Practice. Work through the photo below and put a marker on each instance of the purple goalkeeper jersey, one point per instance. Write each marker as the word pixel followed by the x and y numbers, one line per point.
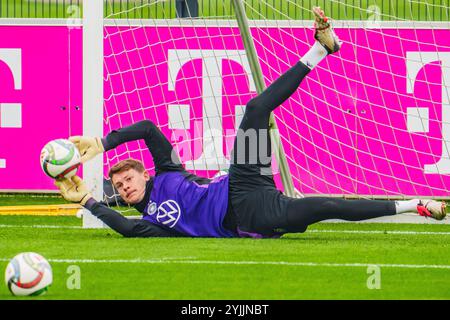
pixel 193 209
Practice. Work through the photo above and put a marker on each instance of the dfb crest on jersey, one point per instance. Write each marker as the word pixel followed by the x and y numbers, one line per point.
pixel 168 213
pixel 151 209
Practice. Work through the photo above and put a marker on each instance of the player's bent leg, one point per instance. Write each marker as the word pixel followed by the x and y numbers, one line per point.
pixel 304 212
pixel 255 123
pixel 281 89
pixel 326 43
pixel 252 145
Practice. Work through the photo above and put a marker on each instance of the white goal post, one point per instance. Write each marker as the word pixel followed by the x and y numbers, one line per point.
pixel 93 99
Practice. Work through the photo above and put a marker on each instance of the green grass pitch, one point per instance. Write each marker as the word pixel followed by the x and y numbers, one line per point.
pixel 329 261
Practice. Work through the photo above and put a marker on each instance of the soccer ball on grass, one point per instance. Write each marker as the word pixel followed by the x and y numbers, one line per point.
pixel 28 274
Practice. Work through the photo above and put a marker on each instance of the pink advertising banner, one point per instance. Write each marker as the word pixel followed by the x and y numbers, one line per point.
pixel 370 120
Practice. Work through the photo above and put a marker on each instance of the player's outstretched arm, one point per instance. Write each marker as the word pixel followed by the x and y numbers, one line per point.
pixel 74 190
pixel 161 149
pixel 89 147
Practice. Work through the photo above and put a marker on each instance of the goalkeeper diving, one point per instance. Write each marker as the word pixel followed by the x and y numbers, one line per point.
pixel 243 203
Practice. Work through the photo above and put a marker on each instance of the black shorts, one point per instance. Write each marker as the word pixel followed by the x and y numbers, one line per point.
pixel 258 206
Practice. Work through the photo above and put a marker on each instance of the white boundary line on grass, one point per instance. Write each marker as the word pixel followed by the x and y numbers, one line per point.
pixel 395 232
pixel 39 226
pixel 275 263
pixel 443 233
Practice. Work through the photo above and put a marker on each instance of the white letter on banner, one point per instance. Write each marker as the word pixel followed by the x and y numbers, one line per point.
pixel 414 62
pixel 13 59
pixel 212 157
pixel 11 113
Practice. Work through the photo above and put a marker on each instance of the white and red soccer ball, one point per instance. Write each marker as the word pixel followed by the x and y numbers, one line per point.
pixel 60 158
pixel 28 274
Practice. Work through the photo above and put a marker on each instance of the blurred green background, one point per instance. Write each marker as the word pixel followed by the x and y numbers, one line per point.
pixel 421 10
